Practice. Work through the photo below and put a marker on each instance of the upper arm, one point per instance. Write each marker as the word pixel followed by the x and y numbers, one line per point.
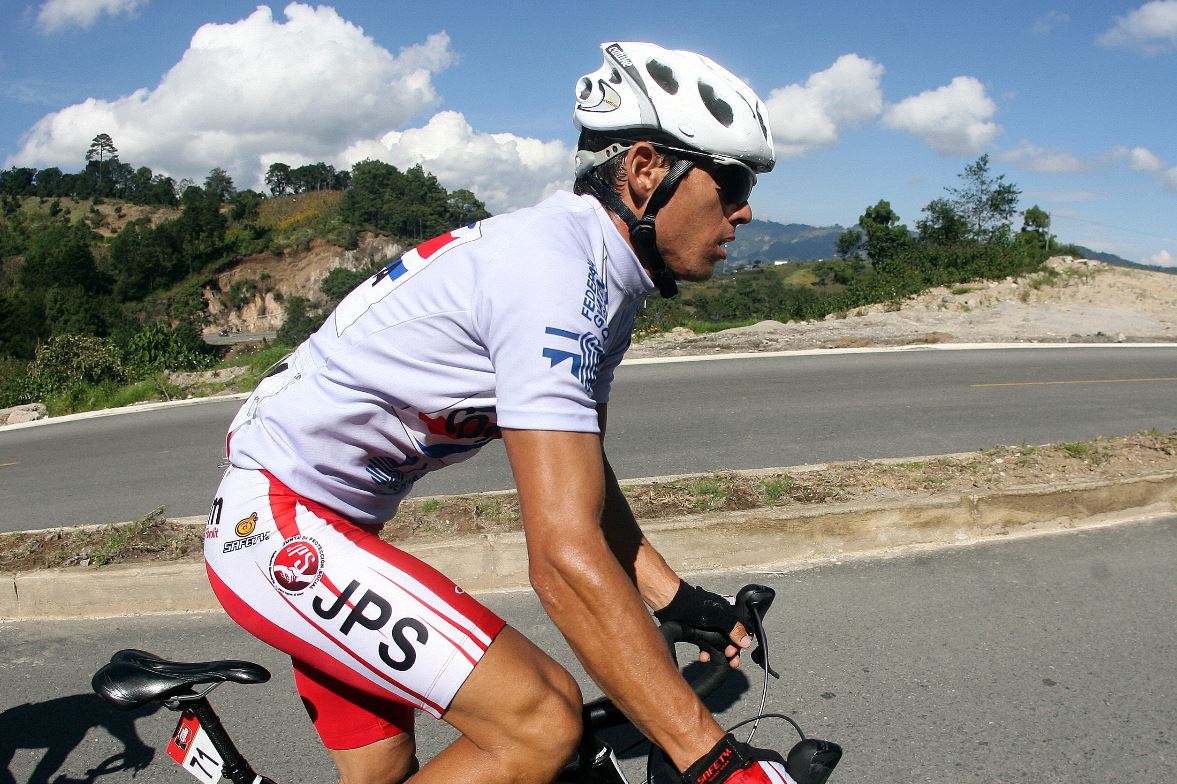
pixel 560 476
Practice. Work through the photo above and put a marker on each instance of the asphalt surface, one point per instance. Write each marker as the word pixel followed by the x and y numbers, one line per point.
pixel 1050 658
pixel 679 417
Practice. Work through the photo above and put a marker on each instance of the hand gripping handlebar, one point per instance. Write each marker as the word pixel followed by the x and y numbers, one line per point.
pixel 751 603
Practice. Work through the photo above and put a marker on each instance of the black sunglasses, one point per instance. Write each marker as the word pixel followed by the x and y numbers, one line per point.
pixel 735 182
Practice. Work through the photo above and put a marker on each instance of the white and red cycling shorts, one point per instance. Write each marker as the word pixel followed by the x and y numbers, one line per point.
pixel 373 631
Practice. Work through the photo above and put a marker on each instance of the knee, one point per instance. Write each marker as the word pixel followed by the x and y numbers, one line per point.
pixel 555 727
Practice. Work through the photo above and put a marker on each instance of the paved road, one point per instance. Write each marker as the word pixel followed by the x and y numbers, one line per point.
pixel 664 419
pixel 1047 659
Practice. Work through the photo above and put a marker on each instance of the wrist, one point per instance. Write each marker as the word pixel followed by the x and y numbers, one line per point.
pixel 661 597
pixel 718 764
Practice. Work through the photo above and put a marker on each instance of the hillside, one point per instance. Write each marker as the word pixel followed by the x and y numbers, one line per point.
pixel 267 280
pixel 1074 301
pixel 768 241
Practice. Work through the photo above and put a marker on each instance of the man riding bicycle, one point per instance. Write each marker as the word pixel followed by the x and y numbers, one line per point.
pixel 508 328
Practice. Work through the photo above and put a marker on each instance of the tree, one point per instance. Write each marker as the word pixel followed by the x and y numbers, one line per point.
pixel 1036 226
pixel 301 320
pixel 987 203
pixel 885 235
pixel 219 184
pixel 101 148
pixel 850 244
pixel 49 182
pixel 278 179
pixel 464 208
pixel 944 225
pixel 17 182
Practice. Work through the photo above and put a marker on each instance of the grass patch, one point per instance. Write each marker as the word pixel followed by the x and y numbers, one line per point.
pixel 1087 451
pixel 95 397
pixel 777 488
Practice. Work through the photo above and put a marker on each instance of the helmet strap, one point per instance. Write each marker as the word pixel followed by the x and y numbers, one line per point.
pixel 642 233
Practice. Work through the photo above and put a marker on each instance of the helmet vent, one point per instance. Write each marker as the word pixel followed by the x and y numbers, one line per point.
pixel 663 76
pixel 720 109
pixel 615 76
pixel 586 88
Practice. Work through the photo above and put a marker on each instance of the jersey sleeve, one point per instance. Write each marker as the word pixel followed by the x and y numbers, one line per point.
pixel 543 321
pixel 620 336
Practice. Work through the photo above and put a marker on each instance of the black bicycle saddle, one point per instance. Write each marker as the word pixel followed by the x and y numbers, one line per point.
pixel 134 678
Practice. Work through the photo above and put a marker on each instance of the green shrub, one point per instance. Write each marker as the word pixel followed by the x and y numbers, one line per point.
pixel 70 361
pixel 240 293
pixel 159 346
pixel 301 320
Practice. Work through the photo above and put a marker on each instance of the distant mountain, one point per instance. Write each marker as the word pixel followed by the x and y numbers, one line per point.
pixel 768 241
pixel 1111 258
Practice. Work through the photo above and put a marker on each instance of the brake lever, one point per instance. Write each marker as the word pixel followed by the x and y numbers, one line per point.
pixel 752 602
pixel 759 658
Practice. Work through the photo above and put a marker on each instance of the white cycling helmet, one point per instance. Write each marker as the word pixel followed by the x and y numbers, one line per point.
pixel 681 97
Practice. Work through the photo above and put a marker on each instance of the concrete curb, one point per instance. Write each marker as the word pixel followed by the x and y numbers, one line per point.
pixel 758 538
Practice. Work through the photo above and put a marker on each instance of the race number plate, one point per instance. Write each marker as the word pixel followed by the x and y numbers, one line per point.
pixel 191 748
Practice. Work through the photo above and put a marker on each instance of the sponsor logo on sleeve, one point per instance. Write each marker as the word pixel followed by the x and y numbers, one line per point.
pixel 582 352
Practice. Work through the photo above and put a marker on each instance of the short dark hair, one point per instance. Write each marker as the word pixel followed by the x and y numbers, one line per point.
pixel 612 171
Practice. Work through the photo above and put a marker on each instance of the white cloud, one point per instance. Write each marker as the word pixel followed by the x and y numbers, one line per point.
pixel 953 120
pixel 1169 180
pixel 811 115
pixel 1050 21
pixel 1150 29
pixel 1162 259
pixel 1041 159
pixel 505 171
pixel 248 92
pixel 1139 158
pixel 56 15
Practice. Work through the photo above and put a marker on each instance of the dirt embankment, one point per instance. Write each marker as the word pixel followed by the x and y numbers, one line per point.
pixel 272 278
pixel 1075 301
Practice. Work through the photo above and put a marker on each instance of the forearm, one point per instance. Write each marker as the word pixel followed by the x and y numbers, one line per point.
pixel 594 604
pixel 656 581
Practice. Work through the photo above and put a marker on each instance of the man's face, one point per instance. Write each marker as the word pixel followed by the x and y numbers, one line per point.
pixel 695 224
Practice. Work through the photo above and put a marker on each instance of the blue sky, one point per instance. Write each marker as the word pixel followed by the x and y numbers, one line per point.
pixel 1075 103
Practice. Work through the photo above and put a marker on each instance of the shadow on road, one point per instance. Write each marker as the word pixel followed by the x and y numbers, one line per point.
pixel 58 726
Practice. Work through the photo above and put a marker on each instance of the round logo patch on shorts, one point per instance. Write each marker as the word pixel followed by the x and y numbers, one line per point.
pixel 297 565
pixel 245 527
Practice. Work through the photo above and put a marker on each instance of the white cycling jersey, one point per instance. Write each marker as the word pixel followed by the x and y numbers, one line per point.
pixel 516 321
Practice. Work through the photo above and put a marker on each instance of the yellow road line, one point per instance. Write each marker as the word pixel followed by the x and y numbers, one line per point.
pixel 1082 381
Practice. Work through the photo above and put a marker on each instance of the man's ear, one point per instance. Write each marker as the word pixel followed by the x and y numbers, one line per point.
pixel 644 171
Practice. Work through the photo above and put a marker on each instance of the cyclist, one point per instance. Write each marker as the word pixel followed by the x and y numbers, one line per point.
pixel 508 328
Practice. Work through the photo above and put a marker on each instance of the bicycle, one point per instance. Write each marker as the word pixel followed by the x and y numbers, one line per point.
pixel 202 746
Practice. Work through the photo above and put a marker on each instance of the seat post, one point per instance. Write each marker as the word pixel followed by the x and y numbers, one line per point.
pixel 234 765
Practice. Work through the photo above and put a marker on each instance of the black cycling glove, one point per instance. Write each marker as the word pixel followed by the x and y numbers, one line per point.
pixel 699 609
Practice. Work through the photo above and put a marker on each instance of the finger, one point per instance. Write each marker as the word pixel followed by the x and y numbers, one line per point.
pixel 740 636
